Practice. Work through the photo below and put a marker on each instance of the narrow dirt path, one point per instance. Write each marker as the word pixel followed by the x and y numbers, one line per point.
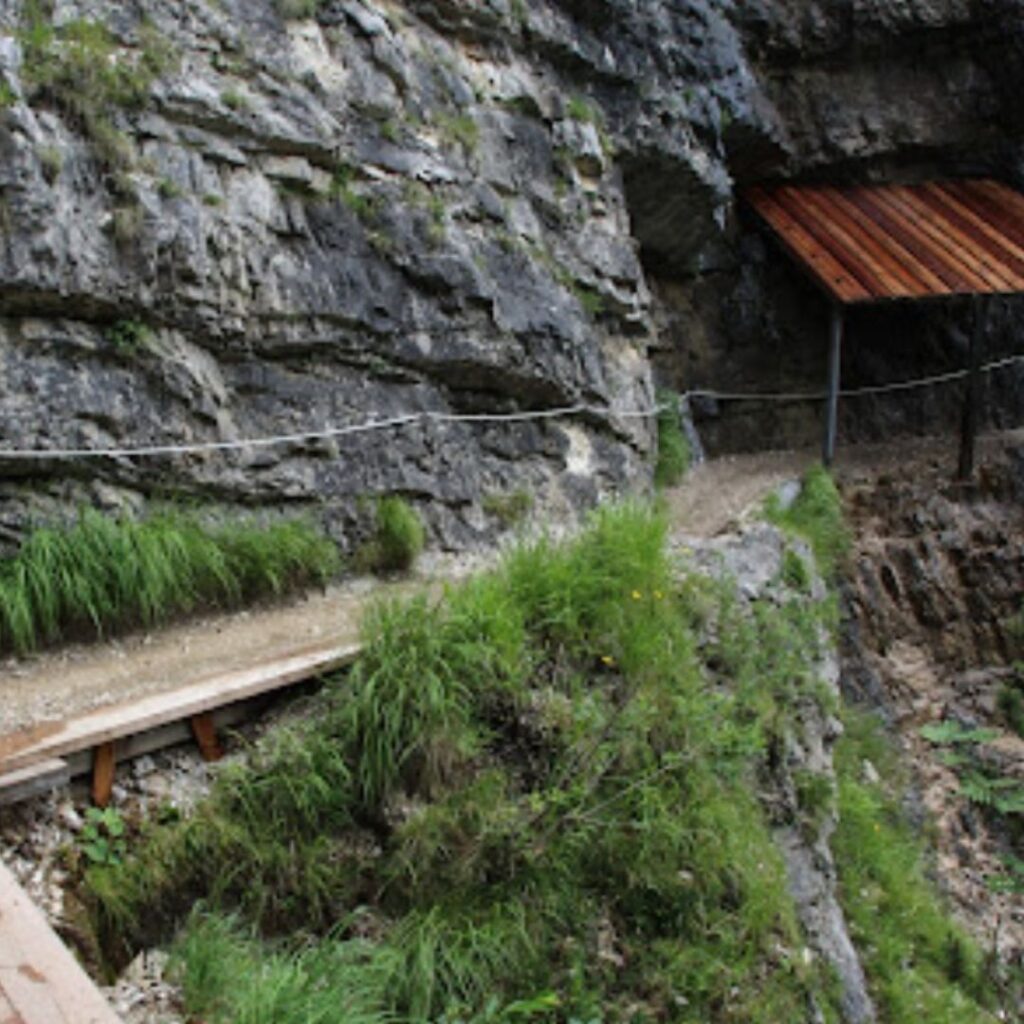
pixel 83 677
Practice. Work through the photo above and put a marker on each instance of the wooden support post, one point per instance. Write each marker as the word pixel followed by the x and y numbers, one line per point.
pixel 972 395
pixel 205 733
pixel 832 402
pixel 104 761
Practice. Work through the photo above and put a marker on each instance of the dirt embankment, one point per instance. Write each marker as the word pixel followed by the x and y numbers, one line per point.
pixel 935 587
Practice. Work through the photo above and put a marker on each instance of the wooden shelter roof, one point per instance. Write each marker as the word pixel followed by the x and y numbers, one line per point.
pixel 869 243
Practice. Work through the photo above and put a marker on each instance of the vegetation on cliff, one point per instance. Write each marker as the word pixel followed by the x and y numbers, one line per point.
pixel 537 798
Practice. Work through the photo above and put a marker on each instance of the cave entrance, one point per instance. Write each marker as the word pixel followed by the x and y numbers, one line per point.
pixel 890 243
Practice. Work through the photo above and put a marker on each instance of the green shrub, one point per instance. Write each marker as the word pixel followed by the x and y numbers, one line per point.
pixel 397 540
pixel 919 964
pixel 101 574
pixel 459 129
pixel 537 790
pixel 127 224
pixel 816 515
pixel 234 100
pixel 129 337
pixel 509 507
pixel 294 10
pixel 169 189
pixel 80 68
pixel 51 162
pixel 795 572
pixel 673 448
pixel 593 302
pixel 1011 706
pixel 579 109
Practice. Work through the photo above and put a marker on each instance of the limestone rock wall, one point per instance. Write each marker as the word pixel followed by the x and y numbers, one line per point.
pixel 447 206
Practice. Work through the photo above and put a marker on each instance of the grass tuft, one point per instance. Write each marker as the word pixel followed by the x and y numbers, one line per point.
pixel 816 515
pixel 397 540
pixel 80 68
pixel 673 448
pixel 536 791
pixel 101 574
pixel 920 965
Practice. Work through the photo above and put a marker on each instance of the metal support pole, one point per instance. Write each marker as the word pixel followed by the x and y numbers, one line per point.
pixel 832 403
pixel 972 394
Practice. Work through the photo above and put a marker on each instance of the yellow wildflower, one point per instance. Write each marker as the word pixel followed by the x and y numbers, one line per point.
pixel 637 595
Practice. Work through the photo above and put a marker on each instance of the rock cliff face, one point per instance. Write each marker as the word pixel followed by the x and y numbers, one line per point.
pixel 225 219
pixel 934 635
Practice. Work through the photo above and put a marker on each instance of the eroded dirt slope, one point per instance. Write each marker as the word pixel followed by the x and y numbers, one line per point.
pixel 934 592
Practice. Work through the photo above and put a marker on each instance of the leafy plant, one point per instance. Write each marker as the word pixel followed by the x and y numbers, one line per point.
pixel 459 129
pixel 79 68
pixel 129 337
pixel 102 839
pixel 952 733
pixel 102 573
pixel 542 783
pixel 673 448
pixel 508 507
pixel 398 537
pixel 898 921
pixel 816 515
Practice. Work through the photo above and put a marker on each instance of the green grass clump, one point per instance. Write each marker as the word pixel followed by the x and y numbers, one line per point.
pixel 296 10
pixel 397 540
pixel 817 516
pixel 673 448
pixel 80 68
pixel 1010 702
pixel 459 129
pixel 920 966
pixel 535 797
pixel 229 978
pixel 509 508
pixel 129 337
pixel 101 573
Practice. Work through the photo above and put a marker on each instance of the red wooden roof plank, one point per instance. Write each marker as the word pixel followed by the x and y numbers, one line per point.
pixel 960 245
pixel 1000 249
pixel 825 236
pixel 909 278
pixel 914 223
pixel 831 274
pixel 920 253
pixel 869 243
pixel 991 211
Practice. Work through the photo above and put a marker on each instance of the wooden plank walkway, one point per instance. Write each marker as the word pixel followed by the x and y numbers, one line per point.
pixel 40 980
pixel 43 746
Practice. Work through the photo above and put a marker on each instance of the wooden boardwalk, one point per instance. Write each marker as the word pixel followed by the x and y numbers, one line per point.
pixel 40 981
pixel 35 758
